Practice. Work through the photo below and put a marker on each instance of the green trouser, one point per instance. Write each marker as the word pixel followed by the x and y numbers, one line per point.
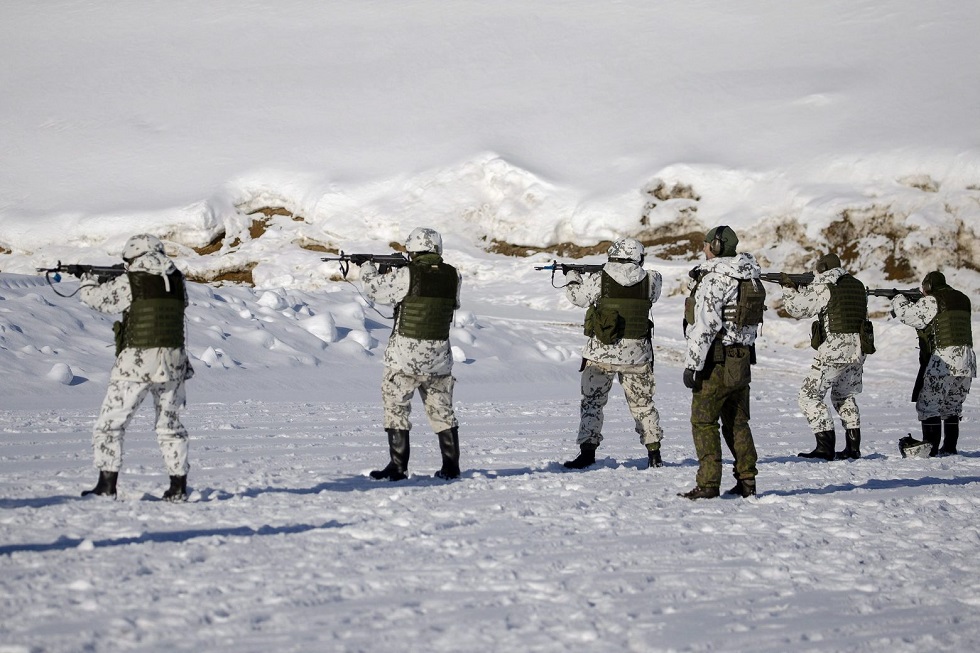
pixel 724 395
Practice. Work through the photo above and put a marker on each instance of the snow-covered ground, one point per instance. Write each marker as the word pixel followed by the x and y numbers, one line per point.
pixel 508 126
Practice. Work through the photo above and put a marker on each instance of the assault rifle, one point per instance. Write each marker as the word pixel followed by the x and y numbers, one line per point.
pixel 914 294
pixel 102 273
pixel 803 279
pixel 385 261
pixel 569 267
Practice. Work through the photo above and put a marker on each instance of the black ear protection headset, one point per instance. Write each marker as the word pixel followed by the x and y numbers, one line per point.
pixel 717 245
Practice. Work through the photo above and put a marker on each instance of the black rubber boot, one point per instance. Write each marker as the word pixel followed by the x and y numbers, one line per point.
pixel 852 445
pixel 449 447
pixel 654 459
pixel 585 458
pixel 177 492
pixel 951 433
pixel 399 449
pixel 105 486
pixel 825 446
pixel 932 432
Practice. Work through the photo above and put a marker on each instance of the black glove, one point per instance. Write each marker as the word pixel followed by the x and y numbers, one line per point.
pixel 75 270
pixel 691 380
pixel 695 272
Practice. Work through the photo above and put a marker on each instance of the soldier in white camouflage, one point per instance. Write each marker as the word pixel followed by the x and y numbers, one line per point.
pixel 425 294
pixel 151 359
pixel 943 318
pixel 619 299
pixel 721 321
pixel 839 303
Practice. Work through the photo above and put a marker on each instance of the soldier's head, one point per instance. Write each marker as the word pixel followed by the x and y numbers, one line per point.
pixel 720 241
pixel 423 240
pixel 933 281
pixel 139 245
pixel 827 262
pixel 626 250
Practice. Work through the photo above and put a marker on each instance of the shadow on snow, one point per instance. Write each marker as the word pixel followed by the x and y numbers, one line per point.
pixel 877 484
pixel 174 537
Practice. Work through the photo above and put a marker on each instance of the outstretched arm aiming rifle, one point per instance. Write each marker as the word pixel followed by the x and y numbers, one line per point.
pixel 383 261
pixel 569 267
pixel 102 273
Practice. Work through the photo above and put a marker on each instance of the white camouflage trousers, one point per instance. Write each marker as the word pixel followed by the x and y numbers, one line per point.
pixel 639 387
pixel 436 391
pixel 843 381
pixel 942 396
pixel 122 399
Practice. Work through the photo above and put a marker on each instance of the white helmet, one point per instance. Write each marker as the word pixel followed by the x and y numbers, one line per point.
pixel 141 244
pixel 423 239
pixel 626 249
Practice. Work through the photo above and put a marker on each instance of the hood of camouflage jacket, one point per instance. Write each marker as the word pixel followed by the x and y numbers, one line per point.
pixel 154 263
pixel 625 274
pixel 829 276
pixel 740 266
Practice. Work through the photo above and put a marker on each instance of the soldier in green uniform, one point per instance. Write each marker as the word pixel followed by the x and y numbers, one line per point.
pixel 721 319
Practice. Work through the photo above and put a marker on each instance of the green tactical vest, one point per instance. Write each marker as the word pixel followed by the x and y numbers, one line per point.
pixel 632 303
pixel 155 318
pixel 426 313
pixel 952 326
pixel 749 306
pixel 848 306
pixel 746 310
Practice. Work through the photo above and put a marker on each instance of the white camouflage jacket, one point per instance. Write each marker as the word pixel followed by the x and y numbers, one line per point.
pixel 718 288
pixel 951 361
pixel 150 365
pixel 585 291
pixel 407 355
pixel 810 301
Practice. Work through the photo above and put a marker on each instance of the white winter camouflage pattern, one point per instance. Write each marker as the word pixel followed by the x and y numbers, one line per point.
pixel 950 370
pixel 157 371
pixel 630 359
pixel 423 239
pixel 409 355
pixel 121 401
pixel 410 363
pixel 812 300
pixel 638 386
pixel 585 291
pixel 718 288
pixel 838 364
pixel 436 391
